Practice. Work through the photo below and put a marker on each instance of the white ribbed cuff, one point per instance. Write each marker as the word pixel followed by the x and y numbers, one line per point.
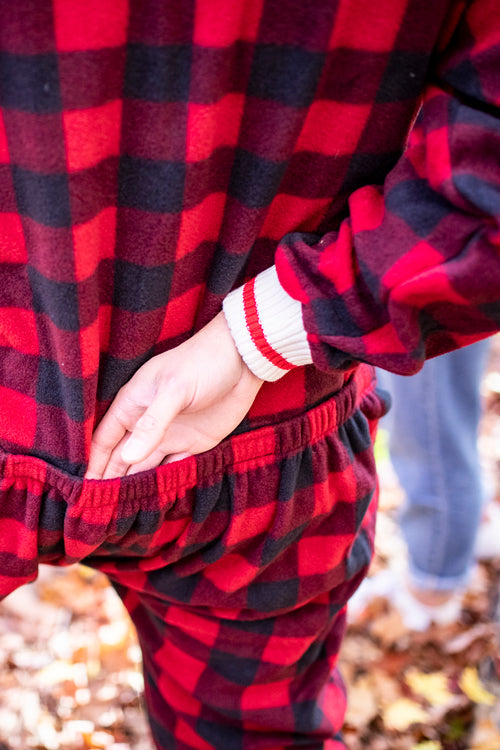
pixel 266 324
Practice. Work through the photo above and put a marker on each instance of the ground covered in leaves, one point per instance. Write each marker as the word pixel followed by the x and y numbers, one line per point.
pixel 437 690
pixel 70 666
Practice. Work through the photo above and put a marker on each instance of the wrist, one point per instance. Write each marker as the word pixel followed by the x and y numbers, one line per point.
pixel 221 341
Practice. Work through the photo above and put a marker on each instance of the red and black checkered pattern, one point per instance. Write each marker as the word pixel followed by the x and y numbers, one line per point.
pixel 235 565
pixel 413 270
pixel 155 155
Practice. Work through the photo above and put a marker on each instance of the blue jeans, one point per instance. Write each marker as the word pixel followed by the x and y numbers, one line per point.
pixel 433 428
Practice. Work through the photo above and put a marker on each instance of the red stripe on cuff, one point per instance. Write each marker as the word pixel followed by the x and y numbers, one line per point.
pixel 256 331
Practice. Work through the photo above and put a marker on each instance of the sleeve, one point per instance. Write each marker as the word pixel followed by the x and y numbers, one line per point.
pixel 414 269
pixel 266 325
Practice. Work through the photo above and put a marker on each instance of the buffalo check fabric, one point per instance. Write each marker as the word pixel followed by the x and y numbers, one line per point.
pixel 236 566
pixel 408 267
pixel 156 157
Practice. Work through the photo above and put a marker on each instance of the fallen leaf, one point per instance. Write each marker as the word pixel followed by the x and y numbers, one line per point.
pixel 394 663
pixel 403 713
pixel 388 628
pixel 486 736
pixel 101 740
pixel 361 703
pixel 432 686
pixel 431 745
pixel 114 635
pixel 360 650
pixel 464 640
pixel 58 671
pixel 387 689
pixel 473 688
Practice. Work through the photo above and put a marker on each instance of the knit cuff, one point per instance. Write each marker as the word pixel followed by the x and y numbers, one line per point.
pixel 266 324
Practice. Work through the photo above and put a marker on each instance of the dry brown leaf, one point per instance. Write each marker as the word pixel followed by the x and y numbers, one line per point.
pixel 486 736
pixel 360 650
pixel 388 628
pixel 386 688
pixel 394 663
pixel 462 641
pixel 361 704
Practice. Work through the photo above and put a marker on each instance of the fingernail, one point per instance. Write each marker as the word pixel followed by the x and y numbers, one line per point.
pixel 132 451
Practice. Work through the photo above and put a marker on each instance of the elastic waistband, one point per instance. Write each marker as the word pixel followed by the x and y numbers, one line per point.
pixel 237 454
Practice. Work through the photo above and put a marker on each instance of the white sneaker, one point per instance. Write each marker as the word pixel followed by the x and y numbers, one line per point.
pixel 391 585
pixel 487 545
pixel 419 616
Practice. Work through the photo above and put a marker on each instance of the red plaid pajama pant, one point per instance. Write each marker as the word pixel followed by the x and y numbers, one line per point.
pixel 235 565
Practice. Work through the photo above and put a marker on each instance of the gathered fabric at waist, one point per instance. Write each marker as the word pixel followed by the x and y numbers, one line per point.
pixel 49 516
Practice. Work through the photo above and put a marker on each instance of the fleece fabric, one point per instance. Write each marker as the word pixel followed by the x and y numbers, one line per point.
pixel 156 156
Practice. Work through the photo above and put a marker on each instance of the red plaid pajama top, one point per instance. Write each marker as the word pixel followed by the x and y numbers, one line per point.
pixel 155 156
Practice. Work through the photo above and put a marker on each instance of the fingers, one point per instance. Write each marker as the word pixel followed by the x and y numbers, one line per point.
pixel 109 433
pixel 131 432
pixel 158 458
pixel 115 466
pixel 149 431
pixel 147 421
pixel 113 431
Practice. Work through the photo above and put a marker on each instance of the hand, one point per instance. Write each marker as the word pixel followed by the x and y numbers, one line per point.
pixel 182 402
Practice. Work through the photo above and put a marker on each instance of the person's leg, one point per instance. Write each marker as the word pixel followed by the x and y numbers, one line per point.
pixel 433 428
pixel 235 564
pixel 225 682
pixel 241 614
